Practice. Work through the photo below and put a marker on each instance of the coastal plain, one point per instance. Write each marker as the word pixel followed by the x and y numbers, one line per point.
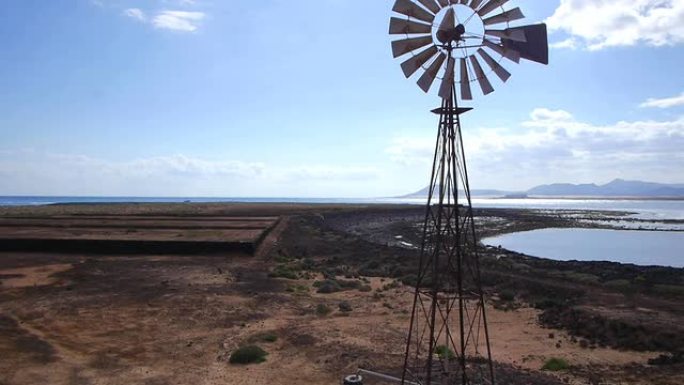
pixel 131 293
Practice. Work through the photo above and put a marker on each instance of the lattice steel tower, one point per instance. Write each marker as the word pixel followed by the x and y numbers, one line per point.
pixel 448 336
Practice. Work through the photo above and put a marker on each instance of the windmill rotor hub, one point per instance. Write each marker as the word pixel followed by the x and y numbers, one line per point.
pixel 451 35
pixel 460 29
pixel 457 26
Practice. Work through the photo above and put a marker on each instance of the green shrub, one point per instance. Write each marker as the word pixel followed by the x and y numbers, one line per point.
pixel 283 259
pixel 308 264
pixel 547 303
pixel 345 307
pixel 582 277
pixel 283 271
pixel 322 310
pixel 250 354
pixel 621 285
pixel 327 286
pixel 671 290
pixel 555 364
pixel 507 295
pixel 444 352
pixel 391 285
pixel 329 273
pixel 348 285
pixel 267 337
pixel 331 285
pixel 410 280
pixel 307 275
pixel 297 289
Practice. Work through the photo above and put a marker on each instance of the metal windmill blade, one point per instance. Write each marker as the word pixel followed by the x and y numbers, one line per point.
pixel 425 81
pixel 466 94
pixel 411 9
pixel 485 85
pixel 490 6
pixel 474 4
pixel 508 16
pixel 509 33
pixel 508 53
pixel 448 80
pixel 407 27
pixel 402 47
pixel 494 65
pixel 412 65
pixel 433 35
pixel 430 5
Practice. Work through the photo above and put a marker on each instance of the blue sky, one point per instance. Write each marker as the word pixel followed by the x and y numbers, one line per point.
pixel 302 98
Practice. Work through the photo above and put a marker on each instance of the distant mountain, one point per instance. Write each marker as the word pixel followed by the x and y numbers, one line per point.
pixel 422 193
pixel 616 188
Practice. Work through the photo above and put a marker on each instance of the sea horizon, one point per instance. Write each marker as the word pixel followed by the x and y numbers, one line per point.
pixel 645 208
pixel 199 199
pixel 33 200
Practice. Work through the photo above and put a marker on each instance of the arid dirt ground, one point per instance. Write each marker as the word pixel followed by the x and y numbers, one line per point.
pixel 85 318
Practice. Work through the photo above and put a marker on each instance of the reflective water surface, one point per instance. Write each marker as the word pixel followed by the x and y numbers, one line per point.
pixel 663 248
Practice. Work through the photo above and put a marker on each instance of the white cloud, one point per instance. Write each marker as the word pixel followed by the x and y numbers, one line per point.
pixel 553 146
pixel 411 150
pixel 543 116
pixel 31 172
pixel 607 23
pixel 166 166
pixel 561 125
pixel 326 173
pixel 184 21
pixel 664 102
pixel 135 13
pixel 184 165
pixel 569 43
pixel 34 172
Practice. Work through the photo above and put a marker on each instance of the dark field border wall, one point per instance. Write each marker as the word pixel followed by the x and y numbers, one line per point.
pixel 134 247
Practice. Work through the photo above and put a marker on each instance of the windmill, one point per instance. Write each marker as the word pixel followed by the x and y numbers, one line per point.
pixel 448 336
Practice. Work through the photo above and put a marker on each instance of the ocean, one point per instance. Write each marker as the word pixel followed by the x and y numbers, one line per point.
pixel 50 200
pixel 642 209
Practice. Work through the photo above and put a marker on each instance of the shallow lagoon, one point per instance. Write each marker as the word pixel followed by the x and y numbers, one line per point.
pixel 663 248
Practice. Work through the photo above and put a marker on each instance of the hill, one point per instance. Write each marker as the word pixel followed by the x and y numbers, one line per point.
pixel 614 189
pixel 422 193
